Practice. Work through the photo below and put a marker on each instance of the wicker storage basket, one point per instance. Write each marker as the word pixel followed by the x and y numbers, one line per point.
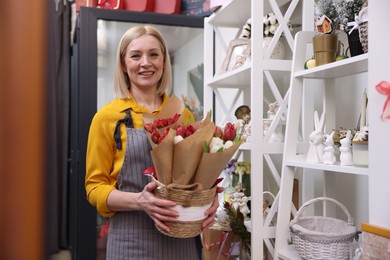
pixel 363 31
pixel 316 237
pixel 192 201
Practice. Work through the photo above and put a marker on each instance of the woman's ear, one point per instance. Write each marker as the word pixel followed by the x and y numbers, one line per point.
pixel 123 65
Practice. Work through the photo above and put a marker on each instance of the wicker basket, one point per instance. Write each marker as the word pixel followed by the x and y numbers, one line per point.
pixel 316 237
pixel 191 203
pixel 363 32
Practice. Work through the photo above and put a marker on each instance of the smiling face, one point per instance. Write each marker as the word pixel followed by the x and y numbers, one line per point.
pixel 144 63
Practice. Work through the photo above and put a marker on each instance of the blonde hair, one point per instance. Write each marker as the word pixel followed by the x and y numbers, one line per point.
pixel 122 80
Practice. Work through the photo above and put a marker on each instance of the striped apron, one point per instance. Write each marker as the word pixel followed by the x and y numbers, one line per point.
pixel 132 234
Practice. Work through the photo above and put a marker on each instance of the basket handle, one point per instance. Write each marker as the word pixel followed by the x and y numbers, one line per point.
pixel 270 194
pixel 312 201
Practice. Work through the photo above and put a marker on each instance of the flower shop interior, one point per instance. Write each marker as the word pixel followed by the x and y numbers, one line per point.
pixel 295 78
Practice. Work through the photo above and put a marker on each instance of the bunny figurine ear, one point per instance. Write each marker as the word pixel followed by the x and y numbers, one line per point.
pixel 319 123
pixel 316 120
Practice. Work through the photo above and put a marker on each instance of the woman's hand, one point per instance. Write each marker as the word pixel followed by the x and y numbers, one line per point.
pixel 211 212
pixel 157 209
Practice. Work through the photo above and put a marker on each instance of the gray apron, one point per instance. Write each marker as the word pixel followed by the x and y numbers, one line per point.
pixel 132 234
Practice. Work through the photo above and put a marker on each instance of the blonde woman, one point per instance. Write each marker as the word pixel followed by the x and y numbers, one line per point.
pixel 118 152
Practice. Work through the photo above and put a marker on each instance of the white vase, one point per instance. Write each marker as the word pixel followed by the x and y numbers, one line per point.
pixel 278 52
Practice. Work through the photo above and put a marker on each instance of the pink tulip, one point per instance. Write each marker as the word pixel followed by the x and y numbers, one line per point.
pixel 218 132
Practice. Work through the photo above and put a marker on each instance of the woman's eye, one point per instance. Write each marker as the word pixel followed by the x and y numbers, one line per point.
pixel 154 54
pixel 135 56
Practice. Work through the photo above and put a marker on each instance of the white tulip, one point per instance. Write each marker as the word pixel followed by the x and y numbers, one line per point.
pixel 177 139
pixel 228 144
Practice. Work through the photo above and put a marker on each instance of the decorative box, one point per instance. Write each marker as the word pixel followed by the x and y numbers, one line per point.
pixel 139 5
pixel 196 7
pixel 167 6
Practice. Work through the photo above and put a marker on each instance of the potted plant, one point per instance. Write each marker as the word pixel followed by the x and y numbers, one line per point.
pixel 326 23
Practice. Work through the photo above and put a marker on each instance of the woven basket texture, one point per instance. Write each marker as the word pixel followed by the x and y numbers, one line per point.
pixel 363 32
pixel 317 237
pixel 185 198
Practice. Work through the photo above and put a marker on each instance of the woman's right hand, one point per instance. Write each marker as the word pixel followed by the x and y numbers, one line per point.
pixel 156 208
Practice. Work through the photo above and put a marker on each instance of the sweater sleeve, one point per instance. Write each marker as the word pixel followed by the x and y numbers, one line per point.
pixel 99 163
pixel 188 117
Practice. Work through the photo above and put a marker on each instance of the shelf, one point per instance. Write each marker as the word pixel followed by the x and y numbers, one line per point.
pixel 299 161
pixel 269 148
pixel 234 78
pixel 289 253
pixel 235 13
pixel 337 69
pixel 232 14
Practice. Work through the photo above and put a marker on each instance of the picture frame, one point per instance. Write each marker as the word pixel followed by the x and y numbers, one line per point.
pixel 237 54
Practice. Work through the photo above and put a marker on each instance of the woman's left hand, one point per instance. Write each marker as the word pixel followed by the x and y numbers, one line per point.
pixel 211 212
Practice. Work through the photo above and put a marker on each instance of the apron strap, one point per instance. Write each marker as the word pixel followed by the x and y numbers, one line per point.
pixel 117 133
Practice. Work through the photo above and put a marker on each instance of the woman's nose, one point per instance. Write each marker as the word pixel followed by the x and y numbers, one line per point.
pixel 145 62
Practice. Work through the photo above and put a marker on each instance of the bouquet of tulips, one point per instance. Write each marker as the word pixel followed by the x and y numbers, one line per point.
pixel 185 154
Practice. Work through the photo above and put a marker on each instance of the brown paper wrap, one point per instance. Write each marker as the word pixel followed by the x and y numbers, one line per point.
pixel 212 164
pixel 188 153
pixel 185 163
pixel 162 154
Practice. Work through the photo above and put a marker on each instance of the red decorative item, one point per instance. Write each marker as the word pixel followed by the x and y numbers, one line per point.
pixel 383 87
pixel 167 6
pixel 139 5
pixel 110 4
pixel 87 3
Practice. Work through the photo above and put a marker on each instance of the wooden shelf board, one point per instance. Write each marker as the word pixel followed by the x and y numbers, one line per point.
pixel 337 69
pixel 299 161
pixel 289 253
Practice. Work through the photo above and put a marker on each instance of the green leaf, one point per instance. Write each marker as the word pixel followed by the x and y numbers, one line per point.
pixel 205 147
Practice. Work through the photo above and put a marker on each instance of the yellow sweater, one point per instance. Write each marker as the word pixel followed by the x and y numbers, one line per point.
pixel 103 160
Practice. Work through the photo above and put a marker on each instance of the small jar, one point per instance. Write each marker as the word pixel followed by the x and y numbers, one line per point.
pixel 360 153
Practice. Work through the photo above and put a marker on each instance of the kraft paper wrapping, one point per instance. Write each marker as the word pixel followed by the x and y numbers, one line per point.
pixel 185 163
pixel 212 164
pixel 162 156
pixel 188 153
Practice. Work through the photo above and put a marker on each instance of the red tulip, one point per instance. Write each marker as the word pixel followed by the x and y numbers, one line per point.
pixel 149 127
pixel 181 130
pixel 229 133
pixel 218 132
pixel 155 136
pixel 190 130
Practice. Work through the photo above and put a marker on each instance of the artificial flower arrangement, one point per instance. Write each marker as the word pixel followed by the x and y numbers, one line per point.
pixel 240 175
pixel 236 222
pixel 188 159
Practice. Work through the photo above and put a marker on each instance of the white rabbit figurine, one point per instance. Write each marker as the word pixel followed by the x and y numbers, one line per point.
pixel 243 206
pixel 316 139
pixel 345 150
pixel 329 156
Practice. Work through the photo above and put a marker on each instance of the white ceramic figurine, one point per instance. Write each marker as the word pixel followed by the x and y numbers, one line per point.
pixel 316 139
pixel 329 156
pixel 345 150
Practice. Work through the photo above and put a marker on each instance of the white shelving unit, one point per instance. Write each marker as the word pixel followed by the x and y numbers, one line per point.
pixel 294 159
pixel 249 81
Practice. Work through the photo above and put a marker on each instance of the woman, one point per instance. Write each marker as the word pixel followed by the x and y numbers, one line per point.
pixel 118 152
